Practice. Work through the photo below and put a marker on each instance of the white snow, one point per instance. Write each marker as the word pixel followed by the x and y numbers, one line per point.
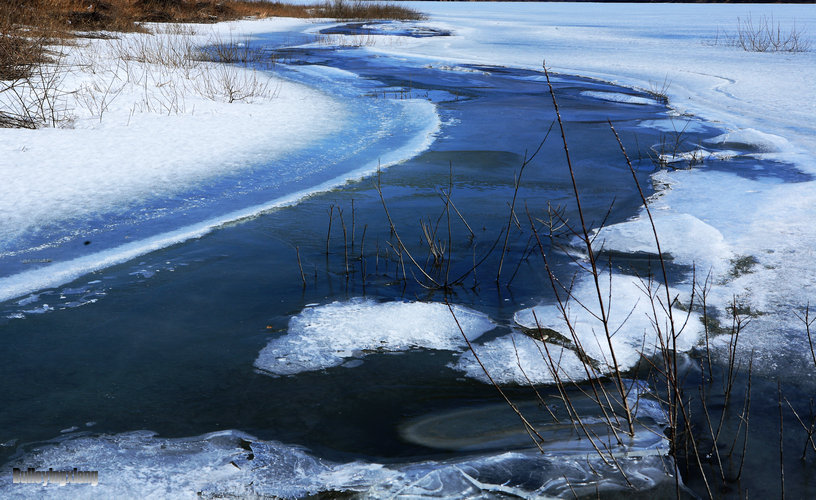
pixel 752 139
pixel 326 336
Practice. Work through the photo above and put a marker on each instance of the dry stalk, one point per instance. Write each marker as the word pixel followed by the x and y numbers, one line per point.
pixel 516 186
pixel 594 268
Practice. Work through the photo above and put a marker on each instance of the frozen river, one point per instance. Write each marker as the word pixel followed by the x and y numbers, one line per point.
pixel 267 327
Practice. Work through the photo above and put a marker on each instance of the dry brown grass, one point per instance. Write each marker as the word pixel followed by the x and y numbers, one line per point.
pixel 25 27
pixel 123 15
pixel 359 9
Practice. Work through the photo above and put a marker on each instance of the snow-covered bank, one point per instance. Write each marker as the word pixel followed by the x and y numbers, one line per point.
pixel 139 118
pixel 146 134
pixel 132 129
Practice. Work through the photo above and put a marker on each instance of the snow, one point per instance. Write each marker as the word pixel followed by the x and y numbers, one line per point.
pixel 754 139
pixel 326 336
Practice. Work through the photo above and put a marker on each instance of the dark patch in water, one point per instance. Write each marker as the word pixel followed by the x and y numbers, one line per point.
pixel 385 28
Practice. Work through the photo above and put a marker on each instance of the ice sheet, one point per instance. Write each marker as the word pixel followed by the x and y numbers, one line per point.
pixel 235 464
pixel 618 97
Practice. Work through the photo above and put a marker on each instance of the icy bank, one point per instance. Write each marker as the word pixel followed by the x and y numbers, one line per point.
pixel 154 146
pixel 136 130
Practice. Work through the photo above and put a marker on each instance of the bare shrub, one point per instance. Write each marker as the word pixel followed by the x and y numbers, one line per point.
pixel 230 51
pixel 98 95
pixel 232 84
pixel 37 98
pixel 764 35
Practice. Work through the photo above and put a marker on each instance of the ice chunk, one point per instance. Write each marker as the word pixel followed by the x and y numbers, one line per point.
pixel 326 336
pixel 751 139
pixel 694 157
pixel 633 321
pixel 685 237
pixel 520 359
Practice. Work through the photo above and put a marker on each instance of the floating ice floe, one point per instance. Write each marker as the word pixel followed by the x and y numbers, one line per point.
pixel 675 125
pixel 519 359
pixel 693 157
pixel 684 237
pixel 633 321
pixel 232 464
pixel 326 336
pixel 457 69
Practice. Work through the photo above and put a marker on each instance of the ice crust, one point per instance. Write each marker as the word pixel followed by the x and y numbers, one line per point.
pixel 751 139
pixel 519 359
pixel 618 97
pixel 231 463
pixel 633 324
pixel 326 336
